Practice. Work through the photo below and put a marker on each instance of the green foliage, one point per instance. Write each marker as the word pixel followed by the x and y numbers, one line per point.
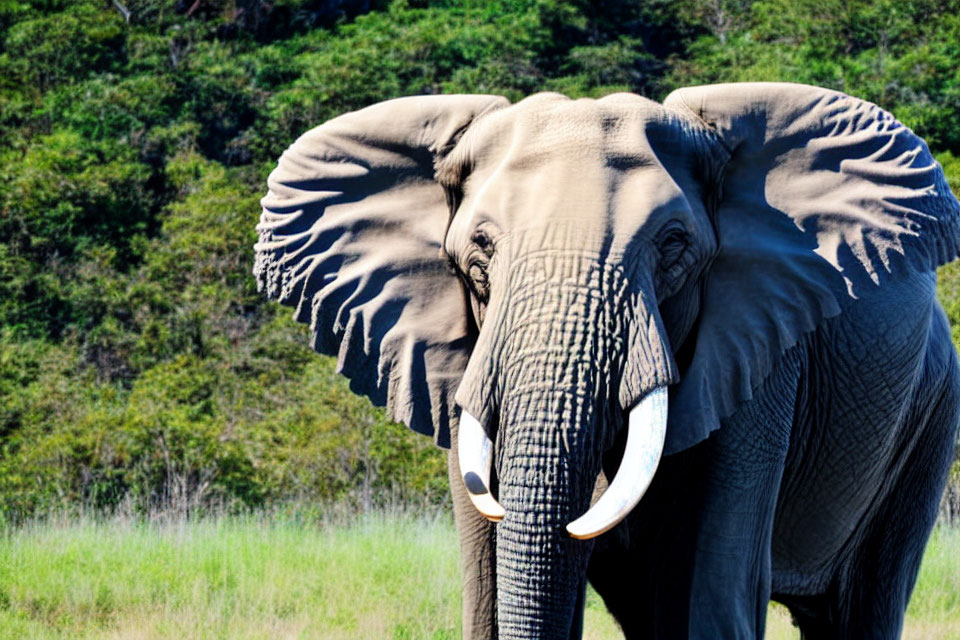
pixel 63 197
pixel 948 276
pixel 54 48
pixel 900 55
pixel 111 107
pixel 66 193
pixel 191 432
pixel 951 168
pixel 137 362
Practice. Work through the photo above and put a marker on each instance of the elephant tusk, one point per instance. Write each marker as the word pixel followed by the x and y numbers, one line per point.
pixel 647 429
pixel 475 454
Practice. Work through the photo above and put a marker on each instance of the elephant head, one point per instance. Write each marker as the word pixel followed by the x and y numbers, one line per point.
pixel 541 273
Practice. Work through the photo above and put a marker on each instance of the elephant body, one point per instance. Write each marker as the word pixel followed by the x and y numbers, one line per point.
pixel 722 307
pixel 786 501
pixel 807 495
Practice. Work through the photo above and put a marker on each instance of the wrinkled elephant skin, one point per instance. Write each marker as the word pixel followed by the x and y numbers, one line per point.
pixel 750 268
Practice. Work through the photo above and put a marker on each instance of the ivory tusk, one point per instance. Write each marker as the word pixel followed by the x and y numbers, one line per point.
pixel 475 454
pixel 647 428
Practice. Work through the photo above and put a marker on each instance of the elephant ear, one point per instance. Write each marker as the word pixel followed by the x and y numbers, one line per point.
pixel 351 235
pixel 824 199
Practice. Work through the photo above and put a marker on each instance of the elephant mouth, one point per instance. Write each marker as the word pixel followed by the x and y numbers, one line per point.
pixel 647 426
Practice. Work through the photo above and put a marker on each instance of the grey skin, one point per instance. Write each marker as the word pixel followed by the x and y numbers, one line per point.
pixel 765 251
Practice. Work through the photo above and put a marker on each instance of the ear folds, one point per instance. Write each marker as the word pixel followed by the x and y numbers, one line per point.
pixel 350 236
pixel 824 198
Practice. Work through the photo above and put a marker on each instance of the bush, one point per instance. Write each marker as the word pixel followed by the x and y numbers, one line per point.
pixel 43 51
pixel 137 362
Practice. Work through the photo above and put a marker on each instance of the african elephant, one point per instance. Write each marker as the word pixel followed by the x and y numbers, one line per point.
pixel 726 300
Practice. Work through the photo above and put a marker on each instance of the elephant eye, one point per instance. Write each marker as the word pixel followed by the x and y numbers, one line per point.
pixel 676 259
pixel 477 273
pixel 673 242
pixel 483 242
pixel 477 261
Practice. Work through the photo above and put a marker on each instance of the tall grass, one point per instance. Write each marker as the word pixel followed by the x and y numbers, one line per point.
pixel 384 575
pixel 242 577
pixel 934 610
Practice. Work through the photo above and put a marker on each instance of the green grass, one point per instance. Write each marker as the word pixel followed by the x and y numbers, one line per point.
pixel 384 576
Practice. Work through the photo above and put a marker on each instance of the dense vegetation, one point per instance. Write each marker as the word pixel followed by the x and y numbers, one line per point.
pixel 138 364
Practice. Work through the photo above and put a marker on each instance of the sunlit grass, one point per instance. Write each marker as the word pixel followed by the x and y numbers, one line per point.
pixel 934 611
pixel 382 576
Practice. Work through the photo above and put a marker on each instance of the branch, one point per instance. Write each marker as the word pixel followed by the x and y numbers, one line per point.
pixel 122 9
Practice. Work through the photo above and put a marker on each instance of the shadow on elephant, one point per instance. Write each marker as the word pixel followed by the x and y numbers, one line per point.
pixel 723 303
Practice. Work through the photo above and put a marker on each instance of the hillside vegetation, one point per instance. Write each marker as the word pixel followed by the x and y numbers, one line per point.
pixel 139 366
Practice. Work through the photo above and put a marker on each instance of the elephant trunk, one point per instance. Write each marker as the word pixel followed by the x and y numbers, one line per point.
pixel 540 568
pixel 561 370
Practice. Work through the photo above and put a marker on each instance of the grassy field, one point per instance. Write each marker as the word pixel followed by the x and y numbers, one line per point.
pixel 393 577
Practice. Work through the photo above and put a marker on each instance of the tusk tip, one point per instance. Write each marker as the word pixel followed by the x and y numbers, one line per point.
pixel 488 507
pixel 646 432
pixel 584 531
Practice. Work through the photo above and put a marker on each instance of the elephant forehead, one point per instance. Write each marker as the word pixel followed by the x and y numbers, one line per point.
pixel 548 130
pixel 600 162
pixel 564 172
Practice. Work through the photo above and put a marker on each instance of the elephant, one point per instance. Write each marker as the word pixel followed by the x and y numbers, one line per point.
pixel 689 351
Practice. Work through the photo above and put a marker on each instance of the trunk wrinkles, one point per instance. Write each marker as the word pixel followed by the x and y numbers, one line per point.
pixel 569 341
pixel 562 345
